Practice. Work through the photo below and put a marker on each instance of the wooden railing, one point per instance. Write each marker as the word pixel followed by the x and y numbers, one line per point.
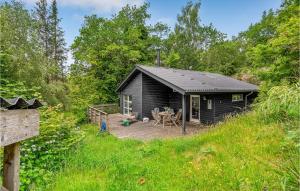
pixel 108 108
pixel 98 113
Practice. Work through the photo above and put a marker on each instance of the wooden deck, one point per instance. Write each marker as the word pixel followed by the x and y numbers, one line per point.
pixel 147 131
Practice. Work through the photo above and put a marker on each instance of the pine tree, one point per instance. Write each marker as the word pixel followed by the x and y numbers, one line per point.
pixel 41 18
pixel 51 38
pixel 57 41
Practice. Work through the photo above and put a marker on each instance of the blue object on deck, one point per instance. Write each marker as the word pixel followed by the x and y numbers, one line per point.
pixel 103 126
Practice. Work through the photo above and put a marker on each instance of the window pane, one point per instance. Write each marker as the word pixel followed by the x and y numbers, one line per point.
pixel 209 104
pixel 127 104
pixel 237 97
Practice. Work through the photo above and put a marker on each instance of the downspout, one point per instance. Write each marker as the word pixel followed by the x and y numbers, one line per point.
pixel 183 114
pixel 246 99
pixel 214 111
pixel 142 114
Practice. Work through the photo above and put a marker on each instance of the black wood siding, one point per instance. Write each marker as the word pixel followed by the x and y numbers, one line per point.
pixel 176 103
pixel 224 106
pixel 175 100
pixel 148 93
pixel 155 94
pixel 206 115
pixel 134 89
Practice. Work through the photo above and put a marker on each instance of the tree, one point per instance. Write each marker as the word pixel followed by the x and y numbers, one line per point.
pixel 278 59
pixel 56 40
pixel 108 49
pixel 261 32
pixel 42 22
pixel 51 38
pixel 225 57
pixel 158 38
pixel 20 57
pixel 190 38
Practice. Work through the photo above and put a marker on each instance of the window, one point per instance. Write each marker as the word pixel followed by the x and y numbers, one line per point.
pixel 209 104
pixel 237 97
pixel 127 104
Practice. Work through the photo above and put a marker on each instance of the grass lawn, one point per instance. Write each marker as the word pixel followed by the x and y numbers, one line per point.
pixel 234 156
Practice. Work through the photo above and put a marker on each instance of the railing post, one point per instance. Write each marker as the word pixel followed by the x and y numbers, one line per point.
pixel 94 116
pixel 107 123
pixel 89 114
pixel 99 122
pixel 99 110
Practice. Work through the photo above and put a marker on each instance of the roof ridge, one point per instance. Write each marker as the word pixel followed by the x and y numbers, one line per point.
pixel 178 69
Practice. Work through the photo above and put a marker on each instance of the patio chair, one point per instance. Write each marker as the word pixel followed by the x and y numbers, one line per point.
pixel 156 117
pixel 176 119
pixel 171 111
pixel 156 110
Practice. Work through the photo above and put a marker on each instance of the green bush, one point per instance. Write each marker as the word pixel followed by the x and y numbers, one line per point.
pixel 280 104
pixel 45 154
pixel 10 89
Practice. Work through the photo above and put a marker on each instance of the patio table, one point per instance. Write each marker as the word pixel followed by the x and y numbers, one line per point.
pixel 163 115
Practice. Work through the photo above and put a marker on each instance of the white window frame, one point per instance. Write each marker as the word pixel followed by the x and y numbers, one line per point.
pixel 127 110
pixel 209 104
pixel 191 117
pixel 237 97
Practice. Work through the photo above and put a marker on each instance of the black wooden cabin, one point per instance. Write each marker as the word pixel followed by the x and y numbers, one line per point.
pixel 204 97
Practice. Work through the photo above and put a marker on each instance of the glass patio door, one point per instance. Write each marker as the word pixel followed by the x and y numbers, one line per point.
pixel 127 104
pixel 195 108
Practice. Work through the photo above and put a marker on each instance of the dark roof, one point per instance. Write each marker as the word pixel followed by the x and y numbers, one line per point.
pixel 185 81
pixel 19 103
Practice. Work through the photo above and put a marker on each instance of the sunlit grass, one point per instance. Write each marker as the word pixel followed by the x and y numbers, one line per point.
pixel 231 157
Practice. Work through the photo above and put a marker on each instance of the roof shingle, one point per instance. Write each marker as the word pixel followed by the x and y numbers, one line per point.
pixel 195 81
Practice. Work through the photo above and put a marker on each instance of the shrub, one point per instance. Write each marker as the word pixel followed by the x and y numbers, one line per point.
pixel 46 153
pixel 11 89
pixel 280 104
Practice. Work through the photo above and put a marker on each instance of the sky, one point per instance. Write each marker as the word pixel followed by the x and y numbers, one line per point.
pixel 228 16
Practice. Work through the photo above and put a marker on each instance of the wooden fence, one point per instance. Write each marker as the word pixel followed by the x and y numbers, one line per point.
pixel 99 113
pixel 108 108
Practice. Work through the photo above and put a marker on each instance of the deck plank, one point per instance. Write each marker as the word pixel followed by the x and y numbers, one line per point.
pixel 147 131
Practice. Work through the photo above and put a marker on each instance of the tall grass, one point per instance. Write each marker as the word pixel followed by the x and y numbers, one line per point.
pixel 281 105
pixel 255 151
pixel 227 158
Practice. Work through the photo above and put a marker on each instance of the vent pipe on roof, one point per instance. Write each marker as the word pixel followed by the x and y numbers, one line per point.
pixel 158 56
